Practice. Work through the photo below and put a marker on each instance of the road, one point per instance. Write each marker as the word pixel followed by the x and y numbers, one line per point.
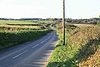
pixel 30 54
pixel 81 25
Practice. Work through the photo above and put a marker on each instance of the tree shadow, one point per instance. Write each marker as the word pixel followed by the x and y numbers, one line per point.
pixel 89 49
pixel 83 53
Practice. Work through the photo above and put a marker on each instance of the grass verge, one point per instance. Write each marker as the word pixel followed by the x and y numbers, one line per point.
pixel 82 46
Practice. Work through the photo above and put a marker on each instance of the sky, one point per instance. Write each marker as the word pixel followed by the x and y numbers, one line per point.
pixel 76 9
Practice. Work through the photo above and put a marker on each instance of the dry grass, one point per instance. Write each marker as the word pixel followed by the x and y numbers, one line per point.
pixel 18 26
pixel 92 61
pixel 88 40
pixel 81 36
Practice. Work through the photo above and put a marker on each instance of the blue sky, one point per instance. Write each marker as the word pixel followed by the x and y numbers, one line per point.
pixel 49 8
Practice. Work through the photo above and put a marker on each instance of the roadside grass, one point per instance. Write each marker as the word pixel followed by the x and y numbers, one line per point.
pixel 81 45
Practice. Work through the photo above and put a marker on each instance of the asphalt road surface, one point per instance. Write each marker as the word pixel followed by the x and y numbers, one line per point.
pixel 30 54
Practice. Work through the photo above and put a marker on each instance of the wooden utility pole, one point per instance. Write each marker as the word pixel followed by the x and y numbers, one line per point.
pixel 63 22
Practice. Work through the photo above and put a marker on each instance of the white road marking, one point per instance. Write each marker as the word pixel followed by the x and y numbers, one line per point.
pixel 11 54
pixel 41 42
pixel 18 55
pixel 35 46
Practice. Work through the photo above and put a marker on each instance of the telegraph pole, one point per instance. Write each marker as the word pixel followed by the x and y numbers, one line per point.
pixel 63 22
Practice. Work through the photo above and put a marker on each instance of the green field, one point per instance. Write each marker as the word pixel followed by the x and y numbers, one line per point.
pixel 23 21
pixel 15 22
pixel 81 50
pixel 98 24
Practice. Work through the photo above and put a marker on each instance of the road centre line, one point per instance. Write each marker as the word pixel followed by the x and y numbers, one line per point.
pixel 42 42
pixel 35 45
pixel 11 53
pixel 19 55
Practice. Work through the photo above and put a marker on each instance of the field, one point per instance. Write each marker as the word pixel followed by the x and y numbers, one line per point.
pixel 82 47
pixel 23 21
pixel 98 24
pixel 11 35
pixel 12 27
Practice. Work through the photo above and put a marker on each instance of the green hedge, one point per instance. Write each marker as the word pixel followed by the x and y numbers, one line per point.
pixel 11 38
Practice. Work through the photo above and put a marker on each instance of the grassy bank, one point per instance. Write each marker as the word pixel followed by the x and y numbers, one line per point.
pixel 82 46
